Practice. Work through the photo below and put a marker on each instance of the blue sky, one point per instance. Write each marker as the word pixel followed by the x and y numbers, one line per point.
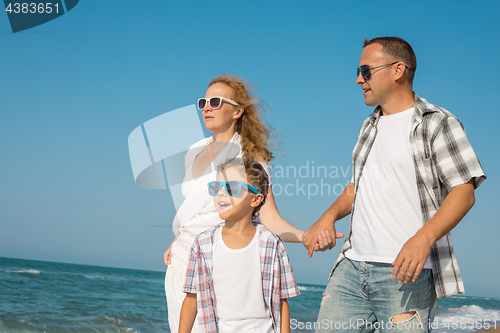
pixel 73 89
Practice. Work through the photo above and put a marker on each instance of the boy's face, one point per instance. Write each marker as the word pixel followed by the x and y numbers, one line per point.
pixel 234 208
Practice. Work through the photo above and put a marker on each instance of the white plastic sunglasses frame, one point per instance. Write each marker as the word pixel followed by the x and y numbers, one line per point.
pixel 207 100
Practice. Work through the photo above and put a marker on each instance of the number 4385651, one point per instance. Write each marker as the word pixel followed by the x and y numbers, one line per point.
pixel 32 8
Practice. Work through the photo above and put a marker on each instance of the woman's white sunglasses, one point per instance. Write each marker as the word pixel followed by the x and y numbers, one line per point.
pixel 214 102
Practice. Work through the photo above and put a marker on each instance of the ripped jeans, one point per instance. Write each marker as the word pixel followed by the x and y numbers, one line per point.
pixel 363 296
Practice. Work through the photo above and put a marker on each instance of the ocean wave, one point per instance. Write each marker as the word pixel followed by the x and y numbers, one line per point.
pixel 467 316
pixel 99 277
pixel 313 289
pixel 123 279
pixel 26 271
pixel 109 320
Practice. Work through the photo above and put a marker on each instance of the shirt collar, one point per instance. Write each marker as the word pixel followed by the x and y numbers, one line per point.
pixel 420 105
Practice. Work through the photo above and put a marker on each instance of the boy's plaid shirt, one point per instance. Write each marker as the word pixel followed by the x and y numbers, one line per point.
pixel 443 158
pixel 277 276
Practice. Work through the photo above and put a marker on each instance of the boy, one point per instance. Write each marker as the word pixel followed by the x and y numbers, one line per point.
pixel 239 275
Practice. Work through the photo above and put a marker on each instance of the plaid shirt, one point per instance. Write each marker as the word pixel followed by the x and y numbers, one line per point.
pixel 443 158
pixel 277 276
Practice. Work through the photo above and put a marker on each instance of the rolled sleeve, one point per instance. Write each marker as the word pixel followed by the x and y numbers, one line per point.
pixel 191 280
pixel 288 285
pixel 455 158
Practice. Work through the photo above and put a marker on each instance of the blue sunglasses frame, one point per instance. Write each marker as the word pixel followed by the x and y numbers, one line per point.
pixel 224 184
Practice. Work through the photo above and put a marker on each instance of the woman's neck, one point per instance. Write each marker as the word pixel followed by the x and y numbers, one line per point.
pixel 225 136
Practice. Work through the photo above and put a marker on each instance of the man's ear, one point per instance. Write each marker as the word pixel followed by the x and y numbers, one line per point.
pixel 257 199
pixel 400 70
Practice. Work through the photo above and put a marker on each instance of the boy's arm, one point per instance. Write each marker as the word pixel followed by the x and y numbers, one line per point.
pixel 285 316
pixel 188 313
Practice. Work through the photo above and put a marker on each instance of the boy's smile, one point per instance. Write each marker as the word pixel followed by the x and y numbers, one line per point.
pixel 223 205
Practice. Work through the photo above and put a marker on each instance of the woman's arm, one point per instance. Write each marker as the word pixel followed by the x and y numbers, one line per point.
pixel 188 313
pixel 271 219
pixel 285 316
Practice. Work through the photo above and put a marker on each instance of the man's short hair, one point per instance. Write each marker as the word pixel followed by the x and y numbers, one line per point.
pixel 397 49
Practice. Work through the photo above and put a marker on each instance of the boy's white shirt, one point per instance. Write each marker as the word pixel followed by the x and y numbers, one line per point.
pixel 237 282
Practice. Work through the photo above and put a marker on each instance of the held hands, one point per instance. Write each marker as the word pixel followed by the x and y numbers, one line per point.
pixel 318 236
pixel 411 259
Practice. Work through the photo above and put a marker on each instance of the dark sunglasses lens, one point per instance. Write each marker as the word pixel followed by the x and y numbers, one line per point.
pixel 201 103
pixel 365 72
pixel 213 188
pixel 215 102
pixel 232 188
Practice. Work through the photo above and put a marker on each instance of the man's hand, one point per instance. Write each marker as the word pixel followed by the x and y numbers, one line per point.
pixel 415 252
pixel 318 236
pixel 411 259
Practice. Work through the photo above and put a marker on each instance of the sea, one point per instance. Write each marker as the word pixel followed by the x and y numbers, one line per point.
pixel 40 296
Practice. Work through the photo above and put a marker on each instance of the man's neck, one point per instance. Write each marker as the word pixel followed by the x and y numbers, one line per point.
pixel 398 103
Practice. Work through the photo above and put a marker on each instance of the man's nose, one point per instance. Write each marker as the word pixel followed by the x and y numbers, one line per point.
pixel 360 79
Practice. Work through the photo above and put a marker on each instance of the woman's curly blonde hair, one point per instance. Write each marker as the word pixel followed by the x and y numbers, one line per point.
pixel 256 136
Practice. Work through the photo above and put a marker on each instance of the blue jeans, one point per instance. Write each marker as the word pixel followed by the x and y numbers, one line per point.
pixel 363 296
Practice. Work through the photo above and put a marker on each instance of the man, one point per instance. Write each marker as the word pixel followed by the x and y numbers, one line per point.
pixel 414 175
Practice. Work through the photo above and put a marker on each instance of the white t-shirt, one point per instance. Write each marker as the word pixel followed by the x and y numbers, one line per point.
pixel 237 283
pixel 387 210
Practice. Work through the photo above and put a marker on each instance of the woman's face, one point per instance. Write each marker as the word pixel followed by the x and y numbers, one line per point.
pixel 223 119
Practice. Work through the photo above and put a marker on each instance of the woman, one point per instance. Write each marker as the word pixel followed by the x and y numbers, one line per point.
pixel 231 114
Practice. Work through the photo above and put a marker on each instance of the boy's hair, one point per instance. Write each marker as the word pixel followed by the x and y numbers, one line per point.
pixel 255 174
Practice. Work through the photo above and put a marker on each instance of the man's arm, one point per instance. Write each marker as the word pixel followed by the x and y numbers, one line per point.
pixel 285 316
pixel 415 252
pixel 338 210
pixel 188 313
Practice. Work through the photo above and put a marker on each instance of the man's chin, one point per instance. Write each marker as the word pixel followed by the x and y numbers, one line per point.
pixel 370 103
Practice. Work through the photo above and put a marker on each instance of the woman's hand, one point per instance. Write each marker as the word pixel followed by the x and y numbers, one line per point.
pixel 167 256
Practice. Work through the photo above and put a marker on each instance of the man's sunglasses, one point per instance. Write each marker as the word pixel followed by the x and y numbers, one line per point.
pixel 214 102
pixel 366 73
pixel 232 187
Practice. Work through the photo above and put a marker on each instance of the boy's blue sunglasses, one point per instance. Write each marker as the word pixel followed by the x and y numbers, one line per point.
pixel 232 187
